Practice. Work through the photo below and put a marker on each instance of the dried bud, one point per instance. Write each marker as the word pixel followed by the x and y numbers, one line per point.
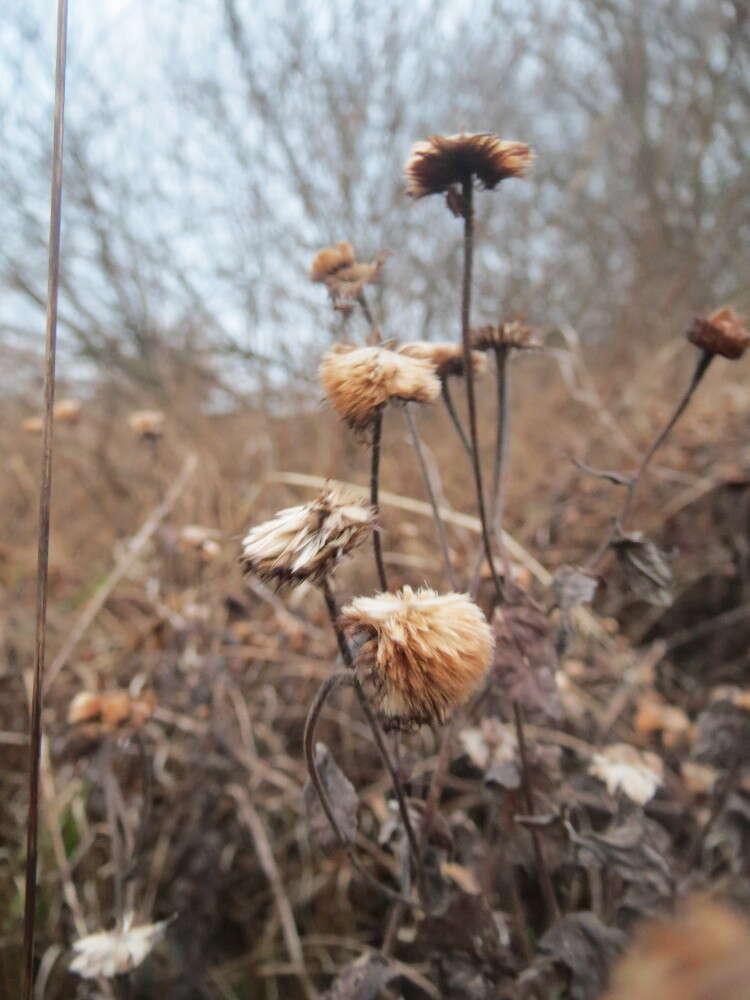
pixel 419 654
pixel 514 333
pixel 358 381
pixel 442 161
pixel 147 424
pixel 447 358
pixel 306 542
pixel 723 332
pixel 622 768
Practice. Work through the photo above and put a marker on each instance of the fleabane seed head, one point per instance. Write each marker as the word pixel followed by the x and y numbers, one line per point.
pixel 358 381
pixel 441 161
pixel 305 542
pixel 723 332
pixel 418 654
pixel 329 260
pixel 113 953
pixel 447 358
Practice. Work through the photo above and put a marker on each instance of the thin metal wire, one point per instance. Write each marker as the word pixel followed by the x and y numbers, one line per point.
pixel 45 491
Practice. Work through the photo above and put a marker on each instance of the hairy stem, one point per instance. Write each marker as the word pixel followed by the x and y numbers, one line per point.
pixel 45 492
pixel 468 204
pixel 439 526
pixel 553 910
pixel 704 360
pixel 453 414
pixel 377 430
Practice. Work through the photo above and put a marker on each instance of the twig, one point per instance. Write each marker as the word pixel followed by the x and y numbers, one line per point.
pixel 453 414
pixel 45 492
pixel 377 430
pixel 268 863
pixel 439 525
pixel 468 207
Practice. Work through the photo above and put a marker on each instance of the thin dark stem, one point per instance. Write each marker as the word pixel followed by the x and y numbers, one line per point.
pixel 439 526
pixel 469 375
pixel 704 360
pixel 453 414
pixel 377 430
pixel 53 281
pixel 340 679
pixel 553 910
pixel 398 787
pixel 502 436
pixel 367 312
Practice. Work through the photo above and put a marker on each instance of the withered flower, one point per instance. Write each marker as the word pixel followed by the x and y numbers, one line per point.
pixel 622 768
pixel 305 542
pixel 33 425
pixel 68 411
pixel 447 358
pixel 722 332
pixel 147 424
pixel 114 953
pixel 419 654
pixel 343 275
pixel 441 161
pixel 358 381
pixel 515 334
pixel 329 260
pixel 106 711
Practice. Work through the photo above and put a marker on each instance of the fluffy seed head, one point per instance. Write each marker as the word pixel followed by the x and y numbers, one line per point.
pixel 622 768
pixel 329 260
pixel 419 654
pixel 113 953
pixel 444 160
pixel 447 358
pixel 306 542
pixel 359 380
pixel 512 334
pixel 723 332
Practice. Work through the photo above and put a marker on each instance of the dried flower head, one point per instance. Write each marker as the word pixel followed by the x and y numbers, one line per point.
pixel 723 332
pixel 329 260
pixel 306 542
pixel 68 411
pixel 447 358
pixel 33 425
pixel 106 711
pixel 343 275
pixel 419 654
pixel 360 380
pixel 444 160
pixel 113 953
pixel 703 951
pixel 622 768
pixel 515 334
pixel 147 424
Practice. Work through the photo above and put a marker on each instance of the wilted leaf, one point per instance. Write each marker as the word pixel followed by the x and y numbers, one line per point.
pixel 525 660
pixel 465 924
pixel 574 956
pixel 342 797
pixel 645 567
pixel 362 979
pixel 572 587
pixel 722 736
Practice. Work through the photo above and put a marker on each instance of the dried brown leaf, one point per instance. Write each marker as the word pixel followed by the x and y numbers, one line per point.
pixel 646 568
pixel 342 797
pixel 362 979
pixel 722 736
pixel 525 661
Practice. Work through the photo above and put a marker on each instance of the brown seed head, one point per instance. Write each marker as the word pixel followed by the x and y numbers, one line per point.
pixel 108 710
pixel 68 411
pixel 33 425
pixel 512 334
pixel 306 542
pixel 444 160
pixel 419 654
pixel 447 358
pixel 329 260
pixel 703 951
pixel 360 380
pixel 723 332
pixel 147 423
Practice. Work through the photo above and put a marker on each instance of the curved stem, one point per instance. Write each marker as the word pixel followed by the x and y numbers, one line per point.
pixel 468 204
pixel 377 430
pixel 453 414
pixel 439 526
pixel 331 684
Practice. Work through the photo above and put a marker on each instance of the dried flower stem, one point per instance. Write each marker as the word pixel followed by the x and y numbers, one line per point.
pixel 377 431
pixel 468 208
pixel 502 437
pixel 340 679
pixel 439 525
pixel 452 413
pixel 704 360
pixel 553 910
pixel 53 281
pixel 377 733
